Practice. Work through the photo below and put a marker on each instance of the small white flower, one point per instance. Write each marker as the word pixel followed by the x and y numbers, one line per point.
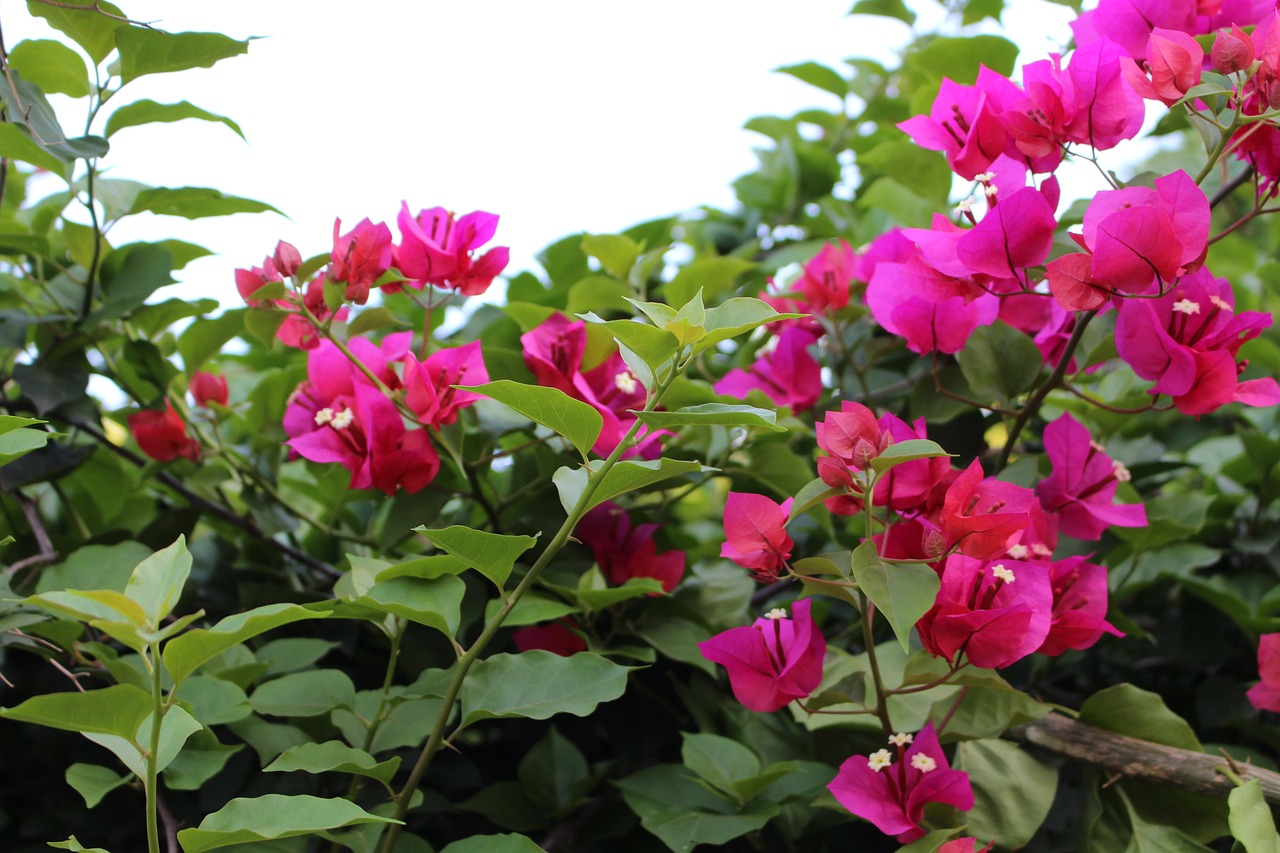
pixel 1097 446
pixel 324 416
pixel 777 613
pixel 1220 303
pixel 1041 550
pixel 625 382
pixel 985 177
pixel 992 190
pixel 964 207
pixel 900 739
pixel 1121 472
pixel 343 419
pixel 879 760
pixel 1019 551
pixel 923 763
pixel 1186 306
pixel 1001 572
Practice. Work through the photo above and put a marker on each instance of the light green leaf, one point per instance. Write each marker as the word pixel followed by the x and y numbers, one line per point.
pixel 194 203
pixel 93 781
pixel 304 694
pixel 813 493
pixel 156 584
pixel 17 144
pixel 653 346
pixel 182 655
pixel 885 8
pixel 96 605
pixel 337 757
pixel 1250 819
pixel 906 451
pixel 147 112
pixel 623 477
pixel 711 276
pixel 87 27
pixel 435 603
pixel 74 845
pixel 924 172
pixel 14 444
pixel 116 710
pixel 273 816
pixel 735 316
pixel 376 317
pixel 551 407
pixel 683 813
pixel 615 252
pixel 491 554
pixel 1013 790
pixel 819 76
pixel 215 701
pixel 718 761
pixel 52 66
pixel 151 51
pixel 539 684
pixel 713 413
pixel 902 592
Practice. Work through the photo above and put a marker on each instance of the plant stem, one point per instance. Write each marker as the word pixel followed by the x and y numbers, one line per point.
pixel 153 752
pixel 437 739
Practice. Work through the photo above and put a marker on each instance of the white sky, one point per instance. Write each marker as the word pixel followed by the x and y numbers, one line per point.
pixel 560 116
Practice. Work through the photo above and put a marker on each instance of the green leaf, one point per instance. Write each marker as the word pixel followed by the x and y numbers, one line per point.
pixel 1013 790
pixel 539 684
pixel 182 655
pixel 93 781
pixel 206 337
pixel 1250 819
pixel 435 603
pixel 74 845
pixel 532 608
pixel 711 276
pixel 718 761
pixel 505 843
pixel 132 273
pixel 958 58
pixel 885 9
pixel 151 51
pixel 655 347
pixel 683 813
pixel 202 757
pixel 147 111
pixel 38 117
pixel 337 757
pixel 273 816
pixel 734 317
pixel 551 407
pixel 194 203
pixel 17 144
pixel 813 493
pixel 615 252
pixel 554 773
pixel 116 710
pixel 14 444
pixel 87 27
pixel 902 592
pixel 375 317
pixel 818 75
pixel 999 362
pixel 1138 713
pixel 491 554
pixel 214 701
pixel 907 451
pixel 157 582
pixel 713 413
pixel 924 172
pixel 52 66
pixel 93 606
pixel 623 477
pixel 304 694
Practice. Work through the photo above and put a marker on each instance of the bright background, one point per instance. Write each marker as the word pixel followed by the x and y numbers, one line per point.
pixel 561 116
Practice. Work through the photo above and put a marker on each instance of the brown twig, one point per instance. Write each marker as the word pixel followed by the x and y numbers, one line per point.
pixel 1131 758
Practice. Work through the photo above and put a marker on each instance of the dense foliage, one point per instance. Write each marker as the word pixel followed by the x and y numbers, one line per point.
pixel 869 513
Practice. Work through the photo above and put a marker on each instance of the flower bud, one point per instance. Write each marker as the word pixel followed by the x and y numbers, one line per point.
pixel 286 259
pixel 1232 51
pixel 163 435
pixel 208 387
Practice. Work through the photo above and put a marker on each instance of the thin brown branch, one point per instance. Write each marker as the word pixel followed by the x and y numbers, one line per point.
pixel 1231 186
pixel 93 7
pixel 1132 758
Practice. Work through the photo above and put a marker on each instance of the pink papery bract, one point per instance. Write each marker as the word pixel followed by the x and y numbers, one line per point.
pixel 436 249
pixel 1265 695
pixel 1079 606
pixel 773 661
pixel 1081 489
pixel 755 528
pixel 623 552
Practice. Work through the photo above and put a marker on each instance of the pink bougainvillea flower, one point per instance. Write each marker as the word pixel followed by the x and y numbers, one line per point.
pixel 1107 109
pixel 428 385
pixel 1081 489
pixel 772 662
pixel 359 257
pixel 995 612
pixel 553 351
pixel 1016 233
pixel 1129 23
pixel 1232 50
pixel 851 435
pixel 623 552
pixel 555 637
pixel 1174 61
pixel 1079 606
pixel 163 435
pixel 982 516
pixel 298 332
pixel 1188 340
pixel 963 122
pixel 1265 695
pixel 208 388
pixel 436 249
pixel 907 485
pixel 249 281
pixel 826 279
pixel 927 325
pixel 755 528
pixel 286 259
pixel 965 845
pixel 892 794
pixel 785 372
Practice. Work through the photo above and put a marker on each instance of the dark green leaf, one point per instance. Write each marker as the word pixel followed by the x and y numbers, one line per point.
pixel 304 694
pixel 117 710
pixel 93 782
pixel 1013 790
pixel 87 27
pixel 194 203
pixel 337 757
pixel 491 554
pixel 713 413
pixel 538 685
pixel 999 362
pixel 375 317
pixel 132 273
pixel 245 820
pixel 551 407
pixel 1138 713
pixel 182 655
pixel 719 761
pixel 505 843
pixel 554 773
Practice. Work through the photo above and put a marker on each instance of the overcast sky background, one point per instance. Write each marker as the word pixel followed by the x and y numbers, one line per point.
pixel 564 116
